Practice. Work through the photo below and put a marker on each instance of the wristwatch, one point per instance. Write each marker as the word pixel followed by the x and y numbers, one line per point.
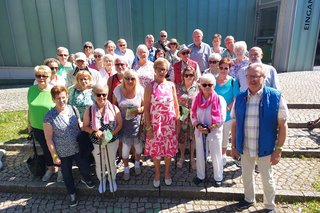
pixel 279 148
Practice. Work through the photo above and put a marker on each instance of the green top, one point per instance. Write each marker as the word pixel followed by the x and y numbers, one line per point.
pixel 63 70
pixel 39 102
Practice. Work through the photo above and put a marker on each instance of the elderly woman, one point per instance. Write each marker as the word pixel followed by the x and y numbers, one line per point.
pixel 162 120
pixel 129 98
pixel 172 54
pixel 208 113
pixel 88 51
pixel 61 128
pixel 39 103
pixel 80 95
pixel 143 66
pixel 103 126
pixel 55 79
pixel 110 47
pixel 213 61
pixel 65 66
pixel 240 49
pixel 228 88
pixel 98 62
pixel 216 44
pixel 186 92
pixel 108 67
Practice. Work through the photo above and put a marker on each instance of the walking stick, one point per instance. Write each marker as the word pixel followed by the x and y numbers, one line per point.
pixel 101 169
pixel 204 140
pixel 109 170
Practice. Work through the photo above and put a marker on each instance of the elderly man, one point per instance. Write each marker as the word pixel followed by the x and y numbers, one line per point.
pixel 184 54
pixel 65 66
pixel 149 41
pixel 82 64
pixel 163 41
pixel 255 56
pixel 200 51
pixel 259 130
pixel 122 50
pixel 229 51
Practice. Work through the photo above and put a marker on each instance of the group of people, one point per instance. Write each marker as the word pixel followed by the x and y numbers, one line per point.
pixel 163 99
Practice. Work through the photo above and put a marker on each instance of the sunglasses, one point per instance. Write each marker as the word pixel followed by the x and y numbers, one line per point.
pixel 213 62
pixel 97 56
pixel 185 53
pixel 101 94
pixel 224 68
pixel 65 55
pixel 207 85
pixel 54 68
pixel 41 76
pixel 188 75
pixel 118 65
pixel 163 36
pixel 90 47
pixel 122 45
pixel 129 79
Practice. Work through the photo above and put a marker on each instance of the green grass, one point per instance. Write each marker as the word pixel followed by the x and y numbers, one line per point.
pixel 316 184
pixel 310 206
pixel 13 126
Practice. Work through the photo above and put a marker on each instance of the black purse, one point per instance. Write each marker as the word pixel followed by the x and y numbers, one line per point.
pixel 36 163
pixel 83 139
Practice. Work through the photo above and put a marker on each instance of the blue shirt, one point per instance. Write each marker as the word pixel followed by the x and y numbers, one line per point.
pixel 200 55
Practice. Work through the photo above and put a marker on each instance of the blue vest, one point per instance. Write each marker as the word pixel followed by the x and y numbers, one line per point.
pixel 268 120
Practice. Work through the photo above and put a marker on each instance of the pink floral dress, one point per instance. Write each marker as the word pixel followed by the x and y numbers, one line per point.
pixel 163 122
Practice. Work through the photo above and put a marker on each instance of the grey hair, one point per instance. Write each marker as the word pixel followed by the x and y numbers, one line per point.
pixel 240 44
pixel 216 56
pixel 142 47
pixel 208 77
pixel 108 56
pixel 99 86
pixel 150 36
pixel 199 31
pixel 228 37
pixel 258 65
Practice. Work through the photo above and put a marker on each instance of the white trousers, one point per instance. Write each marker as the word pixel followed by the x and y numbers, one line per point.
pixel 247 165
pixel 226 133
pixel 112 150
pixel 128 143
pixel 214 141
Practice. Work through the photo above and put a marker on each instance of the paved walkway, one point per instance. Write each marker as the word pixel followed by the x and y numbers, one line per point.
pixel 294 175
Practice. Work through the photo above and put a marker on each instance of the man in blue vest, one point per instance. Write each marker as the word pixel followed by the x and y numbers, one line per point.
pixel 258 132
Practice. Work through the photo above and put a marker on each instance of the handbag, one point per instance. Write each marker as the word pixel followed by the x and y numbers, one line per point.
pixel 142 130
pixel 83 139
pixel 36 163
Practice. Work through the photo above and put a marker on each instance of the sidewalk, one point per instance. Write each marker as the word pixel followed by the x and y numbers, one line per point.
pixel 294 175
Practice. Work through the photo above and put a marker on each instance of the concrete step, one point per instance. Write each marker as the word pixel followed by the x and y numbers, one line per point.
pixel 294 179
pixel 298 118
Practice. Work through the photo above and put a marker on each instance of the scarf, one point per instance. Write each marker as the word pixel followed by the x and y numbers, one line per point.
pixel 213 100
pixel 109 115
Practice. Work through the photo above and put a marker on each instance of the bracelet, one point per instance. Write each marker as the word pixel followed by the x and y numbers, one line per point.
pixel 213 126
pixel 148 128
pixel 55 156
pixel 279 148
pixel 228 109
pixel 93 134
pixel 142 110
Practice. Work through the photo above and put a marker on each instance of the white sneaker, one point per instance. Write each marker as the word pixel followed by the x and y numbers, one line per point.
pixel 102 187
pixel 224 160
pixel 114 188
pixel 47 176
pixel 59 177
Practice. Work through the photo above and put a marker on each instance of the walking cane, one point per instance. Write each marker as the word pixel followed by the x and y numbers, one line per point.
pixel 109 171
pixel 101 169
pixel 204 140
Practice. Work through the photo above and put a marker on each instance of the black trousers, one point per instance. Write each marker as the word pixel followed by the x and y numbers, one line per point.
pixel 39 135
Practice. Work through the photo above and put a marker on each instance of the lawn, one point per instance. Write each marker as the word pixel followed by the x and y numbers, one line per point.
pixel 13 126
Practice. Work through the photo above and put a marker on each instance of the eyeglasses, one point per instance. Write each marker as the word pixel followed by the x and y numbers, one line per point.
pixel 188 75
pixel 129 79
pixel 213 62
pixel 54 68
pixel 101 94
pixel 224 68
pixel 65 55
pixel 253 77
pixel 122 45
pixel 163 35
pixel 207 85
pixel 41 76
pixel 185 53
pixel 118 65
pixel 90 47
pixel 97 56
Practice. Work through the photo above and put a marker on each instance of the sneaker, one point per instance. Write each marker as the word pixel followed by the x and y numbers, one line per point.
pixel 126 176
pixel 180 163
pixel 73 201
pixel 224 160
pixel 89 184
pixel 168 182
pixel 256 169
pixel 59 177
pixel 209 160
pixel 102 187
pixel 46 177
pixel 137 170
pixel 217 183
pixel 243 204
pixel 156 183
pixel 113 187
pixel 197 180
pixel 193 164
pixel 238 162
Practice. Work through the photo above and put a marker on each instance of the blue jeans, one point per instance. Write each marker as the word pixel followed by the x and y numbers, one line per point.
pixel 66 169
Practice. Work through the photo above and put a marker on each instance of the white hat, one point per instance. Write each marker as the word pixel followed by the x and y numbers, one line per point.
pixel 80 56
pixel 182 48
